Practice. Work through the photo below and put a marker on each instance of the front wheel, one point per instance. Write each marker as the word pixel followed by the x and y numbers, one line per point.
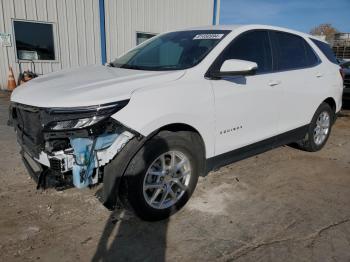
pixel 319 129
pixel 163 175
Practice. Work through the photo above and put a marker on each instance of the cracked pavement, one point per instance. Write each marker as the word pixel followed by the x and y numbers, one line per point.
pixel 283 205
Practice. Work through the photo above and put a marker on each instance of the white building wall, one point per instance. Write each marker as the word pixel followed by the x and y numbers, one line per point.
pixel 77 27
pixel 77 36
pixel 126 17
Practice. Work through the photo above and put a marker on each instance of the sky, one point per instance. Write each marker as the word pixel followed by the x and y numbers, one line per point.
pixel 301 15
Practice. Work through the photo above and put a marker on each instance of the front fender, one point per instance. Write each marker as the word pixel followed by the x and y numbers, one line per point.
pixel 185 102
pixel 181 119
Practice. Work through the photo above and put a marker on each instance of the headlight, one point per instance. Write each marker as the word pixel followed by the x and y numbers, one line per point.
pixel 77 118
pixel 76 123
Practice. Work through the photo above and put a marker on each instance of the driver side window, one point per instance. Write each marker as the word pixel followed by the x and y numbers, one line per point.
pixel 252 46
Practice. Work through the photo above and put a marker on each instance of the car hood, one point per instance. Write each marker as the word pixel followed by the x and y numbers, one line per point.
pixel 86 86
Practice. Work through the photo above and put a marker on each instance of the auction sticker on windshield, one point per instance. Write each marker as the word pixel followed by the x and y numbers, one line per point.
pixel 208 36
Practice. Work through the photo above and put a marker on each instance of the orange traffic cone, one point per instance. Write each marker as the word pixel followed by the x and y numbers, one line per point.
pixel 11 82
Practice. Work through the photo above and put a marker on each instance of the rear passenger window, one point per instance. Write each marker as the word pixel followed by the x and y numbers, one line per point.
pixel 312 58
pixel 292 52
pixel 326 50
pixel 252 46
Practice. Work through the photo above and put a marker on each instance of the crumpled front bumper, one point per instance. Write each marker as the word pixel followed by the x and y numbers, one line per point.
pixel 34 168
pixel 83 161
pixel 43 176
pixel 78 155
pixel 87 156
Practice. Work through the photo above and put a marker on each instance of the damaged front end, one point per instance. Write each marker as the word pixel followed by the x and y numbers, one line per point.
pixel 62 147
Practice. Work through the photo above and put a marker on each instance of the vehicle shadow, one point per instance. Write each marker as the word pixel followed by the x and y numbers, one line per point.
pixel 125 237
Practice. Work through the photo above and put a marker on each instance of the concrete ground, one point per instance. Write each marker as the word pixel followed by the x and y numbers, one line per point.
pixel 283 205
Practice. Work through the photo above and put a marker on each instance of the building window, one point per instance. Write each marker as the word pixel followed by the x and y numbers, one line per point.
pixel 142 37
pixel 34 40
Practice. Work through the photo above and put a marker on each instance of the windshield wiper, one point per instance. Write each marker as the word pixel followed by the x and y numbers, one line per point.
pixel 150 68
pixel 168 67
pixel 126 66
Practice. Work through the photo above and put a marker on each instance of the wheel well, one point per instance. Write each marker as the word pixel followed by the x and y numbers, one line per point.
pixel 112 179
pixel 331 102
pixel 178 127
pixel 184 127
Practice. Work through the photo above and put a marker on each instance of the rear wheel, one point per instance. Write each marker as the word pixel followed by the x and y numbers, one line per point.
pixel 163 175
pixel 319 129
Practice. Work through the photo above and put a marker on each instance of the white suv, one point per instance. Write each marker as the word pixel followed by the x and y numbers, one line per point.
pixel 174 108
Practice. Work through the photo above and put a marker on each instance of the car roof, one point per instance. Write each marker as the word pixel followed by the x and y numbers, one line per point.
pixel 254 26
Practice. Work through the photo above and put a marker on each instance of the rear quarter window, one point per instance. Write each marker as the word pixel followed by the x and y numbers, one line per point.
pixel 326 50
pixel 292 52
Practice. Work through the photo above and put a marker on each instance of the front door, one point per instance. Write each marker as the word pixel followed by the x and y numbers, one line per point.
pixel 246 107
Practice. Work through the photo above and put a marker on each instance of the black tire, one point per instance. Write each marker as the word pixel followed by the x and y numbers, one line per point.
pixel 308 143
pixel 132 194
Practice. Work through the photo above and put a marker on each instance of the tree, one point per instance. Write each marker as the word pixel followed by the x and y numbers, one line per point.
pixel 326 30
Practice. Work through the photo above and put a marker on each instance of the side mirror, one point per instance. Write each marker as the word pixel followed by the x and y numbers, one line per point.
pixel 236 67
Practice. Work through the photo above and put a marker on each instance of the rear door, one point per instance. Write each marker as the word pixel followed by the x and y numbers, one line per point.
pixel 246 107
pixel 298 71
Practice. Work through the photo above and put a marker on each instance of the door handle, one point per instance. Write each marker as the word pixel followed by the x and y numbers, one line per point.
pixel 274 83
pixel 319 75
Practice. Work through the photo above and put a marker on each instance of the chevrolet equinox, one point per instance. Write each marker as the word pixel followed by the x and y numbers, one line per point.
pixel 179 105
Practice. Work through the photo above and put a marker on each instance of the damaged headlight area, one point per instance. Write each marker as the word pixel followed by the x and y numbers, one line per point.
pixel 90 154
pixel 70 142
pixel 76 123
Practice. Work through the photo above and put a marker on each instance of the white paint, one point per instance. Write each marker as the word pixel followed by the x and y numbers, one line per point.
pixel 262 106
pixel 236 65
pixel 90 85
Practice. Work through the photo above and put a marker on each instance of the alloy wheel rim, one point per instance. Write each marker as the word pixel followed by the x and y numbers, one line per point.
pixel 322 128
pixel 167 179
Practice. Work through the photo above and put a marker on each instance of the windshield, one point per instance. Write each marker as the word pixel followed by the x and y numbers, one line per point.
pixel 171 51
